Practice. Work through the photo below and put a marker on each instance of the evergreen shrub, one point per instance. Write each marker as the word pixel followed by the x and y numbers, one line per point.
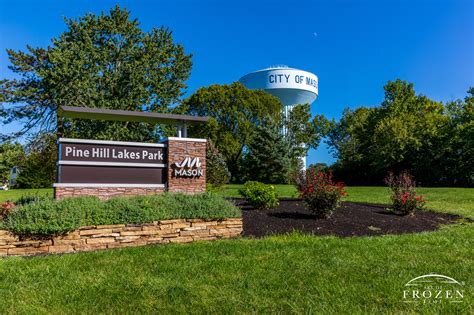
pixel 217 173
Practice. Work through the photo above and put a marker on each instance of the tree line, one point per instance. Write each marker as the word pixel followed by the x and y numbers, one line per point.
pixel 108 61
pixel 434 141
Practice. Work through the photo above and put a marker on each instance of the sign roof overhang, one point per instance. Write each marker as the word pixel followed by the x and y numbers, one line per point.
pixel 127 115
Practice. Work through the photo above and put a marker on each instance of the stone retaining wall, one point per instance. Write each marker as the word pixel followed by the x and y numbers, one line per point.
pixel 89 238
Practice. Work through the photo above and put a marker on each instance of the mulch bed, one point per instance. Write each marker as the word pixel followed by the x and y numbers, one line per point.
pixel 352 219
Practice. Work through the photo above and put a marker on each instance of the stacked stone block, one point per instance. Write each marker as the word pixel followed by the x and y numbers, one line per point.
pixel 104 192
pixel 89 238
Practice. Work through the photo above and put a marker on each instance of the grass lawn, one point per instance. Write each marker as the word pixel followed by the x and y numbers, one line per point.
pixel 290 273
pixel 14 194
pixel 287 274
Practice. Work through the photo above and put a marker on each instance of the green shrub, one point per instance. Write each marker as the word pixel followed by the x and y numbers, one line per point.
pixel 259 195
pixel 50 217
pixel 46 217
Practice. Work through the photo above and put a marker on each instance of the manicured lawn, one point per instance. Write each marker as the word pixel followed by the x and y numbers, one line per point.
pixel 293 273
pixel 14 194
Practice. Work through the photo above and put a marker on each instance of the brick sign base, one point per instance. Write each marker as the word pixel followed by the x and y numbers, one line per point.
pixel 91 238
pixel 104 192
pixel 178 150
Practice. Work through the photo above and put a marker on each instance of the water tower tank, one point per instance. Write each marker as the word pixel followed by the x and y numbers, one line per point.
pixel 291 86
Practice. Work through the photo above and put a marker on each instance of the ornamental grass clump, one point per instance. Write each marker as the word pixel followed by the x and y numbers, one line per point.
pixel 320 192
pixel 259 195
pixel 404 198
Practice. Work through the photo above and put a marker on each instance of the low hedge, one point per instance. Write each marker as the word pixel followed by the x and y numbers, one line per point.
pixel 51 217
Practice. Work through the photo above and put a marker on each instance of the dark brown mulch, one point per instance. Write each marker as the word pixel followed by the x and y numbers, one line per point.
pixel 352 219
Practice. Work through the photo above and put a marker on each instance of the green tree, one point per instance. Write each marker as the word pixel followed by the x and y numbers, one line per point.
pixel 217 173
pixel 406 132
pixel 39 167
pixel 303 132
pixel 103 61
pixel 235 113
pixel 11 154
pixel 349 141
pixel 301 128
pixel 406 128
pixel 458 143
pixel 267 159
pixel 319 167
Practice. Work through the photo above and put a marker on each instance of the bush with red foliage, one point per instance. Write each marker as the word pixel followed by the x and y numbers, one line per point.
pixel 404 197
pixel 5 208
pixel 320 192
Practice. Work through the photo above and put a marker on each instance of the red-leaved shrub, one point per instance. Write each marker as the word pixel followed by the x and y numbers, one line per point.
pixel 320 192
pixel 5 208
pixel 404 197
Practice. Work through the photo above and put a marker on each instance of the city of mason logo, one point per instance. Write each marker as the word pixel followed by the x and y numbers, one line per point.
pixel 189 167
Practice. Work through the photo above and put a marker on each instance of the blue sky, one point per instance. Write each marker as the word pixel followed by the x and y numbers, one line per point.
pixel 354 47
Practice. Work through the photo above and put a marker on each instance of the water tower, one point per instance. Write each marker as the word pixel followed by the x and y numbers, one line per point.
pixel 291 86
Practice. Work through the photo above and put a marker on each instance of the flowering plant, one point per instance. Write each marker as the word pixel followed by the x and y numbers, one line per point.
pixel 404 197
pixel 320 192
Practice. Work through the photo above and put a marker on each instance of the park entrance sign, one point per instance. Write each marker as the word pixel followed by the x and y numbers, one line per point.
pixel 111 162
pixel 113 168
